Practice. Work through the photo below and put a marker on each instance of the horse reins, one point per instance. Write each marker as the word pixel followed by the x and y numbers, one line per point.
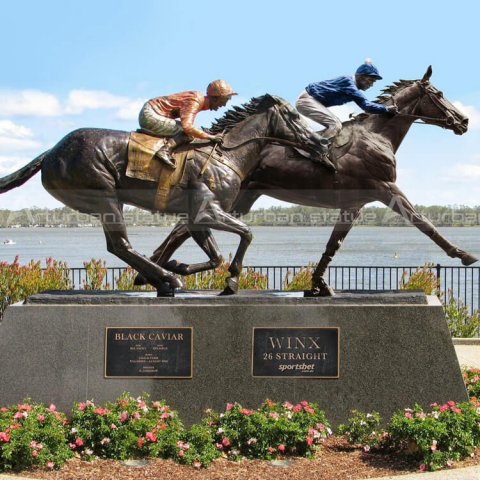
pixel 447 121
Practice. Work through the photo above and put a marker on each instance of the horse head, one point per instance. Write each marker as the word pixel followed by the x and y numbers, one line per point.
pixel 423 101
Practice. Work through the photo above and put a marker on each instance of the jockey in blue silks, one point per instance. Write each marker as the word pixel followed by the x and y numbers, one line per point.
pixel 314 101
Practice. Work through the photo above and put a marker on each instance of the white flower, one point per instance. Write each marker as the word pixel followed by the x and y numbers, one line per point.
pixel 220 430
pixel 73 430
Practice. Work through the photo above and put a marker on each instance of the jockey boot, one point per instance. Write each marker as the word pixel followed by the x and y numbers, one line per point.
pixel 324 158
pixel 165 152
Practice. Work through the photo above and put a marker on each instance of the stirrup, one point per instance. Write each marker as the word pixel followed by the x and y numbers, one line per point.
pixel 164 157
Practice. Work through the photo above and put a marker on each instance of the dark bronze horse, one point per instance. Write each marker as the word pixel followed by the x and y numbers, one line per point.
pixel 366 173
pixel 86 171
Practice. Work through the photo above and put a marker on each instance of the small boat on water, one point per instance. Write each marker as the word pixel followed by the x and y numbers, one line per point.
pixel 9 241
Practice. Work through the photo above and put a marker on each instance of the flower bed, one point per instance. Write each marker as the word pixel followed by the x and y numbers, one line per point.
pixel 35 436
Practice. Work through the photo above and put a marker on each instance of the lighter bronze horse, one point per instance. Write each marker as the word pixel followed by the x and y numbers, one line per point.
pixel 86 171
pixel 366 172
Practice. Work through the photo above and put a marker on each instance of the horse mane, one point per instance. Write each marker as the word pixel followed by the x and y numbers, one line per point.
pixel 239 113
pixel 385 95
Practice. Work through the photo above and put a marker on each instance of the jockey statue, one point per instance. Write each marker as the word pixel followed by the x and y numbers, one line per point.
pixel 159 116
pixel 317 97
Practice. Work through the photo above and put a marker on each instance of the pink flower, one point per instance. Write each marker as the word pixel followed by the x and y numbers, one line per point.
pixel 79 442
pixel 226 442
pixel 408 415
pixel 24 408
pixel 82 406
pixel 20 415
pixel 50 465
pixel 288 405
pixel 422 467
pixel 151 437
pixel 51 408
pixel 124 417
pixel 433 447
pixel 320 427
pixel 34 454
pixel 309 410
pixel 229 407
pixel 140 442
pixel 4 409
pixel 281 448
pixel 309 441
pixel 156 405
pixel 366 448
pixel 113 426
pixel 246 411
pixel 271 450
pixel 197 465
pixel 4 437
pixel 297 408
pixel 40 418
pixel 219 446
pixel 451 403
pixel 181 453
pixel 165 415
pixel 456 410
pixel 304 403
pixel 136 415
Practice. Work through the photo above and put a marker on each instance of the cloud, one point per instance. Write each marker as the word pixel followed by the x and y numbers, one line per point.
pixel 8 164
pixel 29 103
pixel 471 112
pixel 80 100
pixel 14 137
pixel 130 111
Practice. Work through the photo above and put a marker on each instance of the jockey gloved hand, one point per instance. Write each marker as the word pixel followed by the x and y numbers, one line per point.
pixel 217 138
pixel 392 110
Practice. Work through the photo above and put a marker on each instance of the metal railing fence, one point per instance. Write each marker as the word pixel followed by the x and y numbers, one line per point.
pixel 462 282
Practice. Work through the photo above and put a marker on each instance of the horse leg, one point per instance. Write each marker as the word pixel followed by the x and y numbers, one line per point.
pixel 211 215
pixel 180 233
pixel 162 254
pixel 399 203
pixel 117 243
pixel 344 224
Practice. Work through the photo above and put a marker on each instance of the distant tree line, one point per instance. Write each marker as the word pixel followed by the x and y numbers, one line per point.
pixel 441 216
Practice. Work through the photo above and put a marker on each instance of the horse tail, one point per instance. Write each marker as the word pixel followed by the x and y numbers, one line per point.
pixel 19 177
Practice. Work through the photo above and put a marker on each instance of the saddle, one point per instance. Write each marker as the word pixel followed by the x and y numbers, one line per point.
pixel 142 166
pixel 339 145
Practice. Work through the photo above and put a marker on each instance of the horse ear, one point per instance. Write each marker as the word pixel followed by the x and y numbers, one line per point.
pixel 427 75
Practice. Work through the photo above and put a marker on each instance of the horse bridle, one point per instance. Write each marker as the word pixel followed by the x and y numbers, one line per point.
pixel 433 97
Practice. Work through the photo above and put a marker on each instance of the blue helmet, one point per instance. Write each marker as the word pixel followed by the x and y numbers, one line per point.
pixel 369 69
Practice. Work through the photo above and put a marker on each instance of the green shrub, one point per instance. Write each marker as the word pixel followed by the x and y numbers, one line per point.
pixel 17 282
pixel 362 429
pixel 215 279
pixel 274 430
pixel 32 435
pixel 424 278
pixel 125 281
pixel 95 272
pixel 128 428
pixel 198 446
pixel 302 280
pixel 471 378
pixel 459 320
pixel 447 433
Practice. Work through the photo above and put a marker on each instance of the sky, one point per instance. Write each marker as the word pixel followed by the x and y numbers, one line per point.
pixel 71 64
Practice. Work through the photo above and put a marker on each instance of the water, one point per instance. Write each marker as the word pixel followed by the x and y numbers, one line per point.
pixel 381 246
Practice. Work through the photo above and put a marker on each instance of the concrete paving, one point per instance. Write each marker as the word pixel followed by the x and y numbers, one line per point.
pixel 468 351
pixel 469 473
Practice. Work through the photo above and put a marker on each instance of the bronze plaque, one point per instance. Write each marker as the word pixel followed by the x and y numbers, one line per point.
pixel 148 352
pixel 296 352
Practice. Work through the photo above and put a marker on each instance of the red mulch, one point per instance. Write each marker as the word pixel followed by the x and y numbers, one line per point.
pixel 336 461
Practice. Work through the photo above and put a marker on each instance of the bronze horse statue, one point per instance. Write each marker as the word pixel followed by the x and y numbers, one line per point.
pixel 366 172
pixel 86 171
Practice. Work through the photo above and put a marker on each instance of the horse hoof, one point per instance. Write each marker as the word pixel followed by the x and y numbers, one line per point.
pixel 468 259
pixel 321 290
pixel 140 280
pixel 165 290
pixel 175 282
pixel 231 288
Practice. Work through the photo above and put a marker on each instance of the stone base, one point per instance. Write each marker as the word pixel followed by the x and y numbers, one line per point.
pixel 395 350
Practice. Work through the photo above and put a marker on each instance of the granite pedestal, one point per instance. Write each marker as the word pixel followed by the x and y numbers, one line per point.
pixel 394 350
